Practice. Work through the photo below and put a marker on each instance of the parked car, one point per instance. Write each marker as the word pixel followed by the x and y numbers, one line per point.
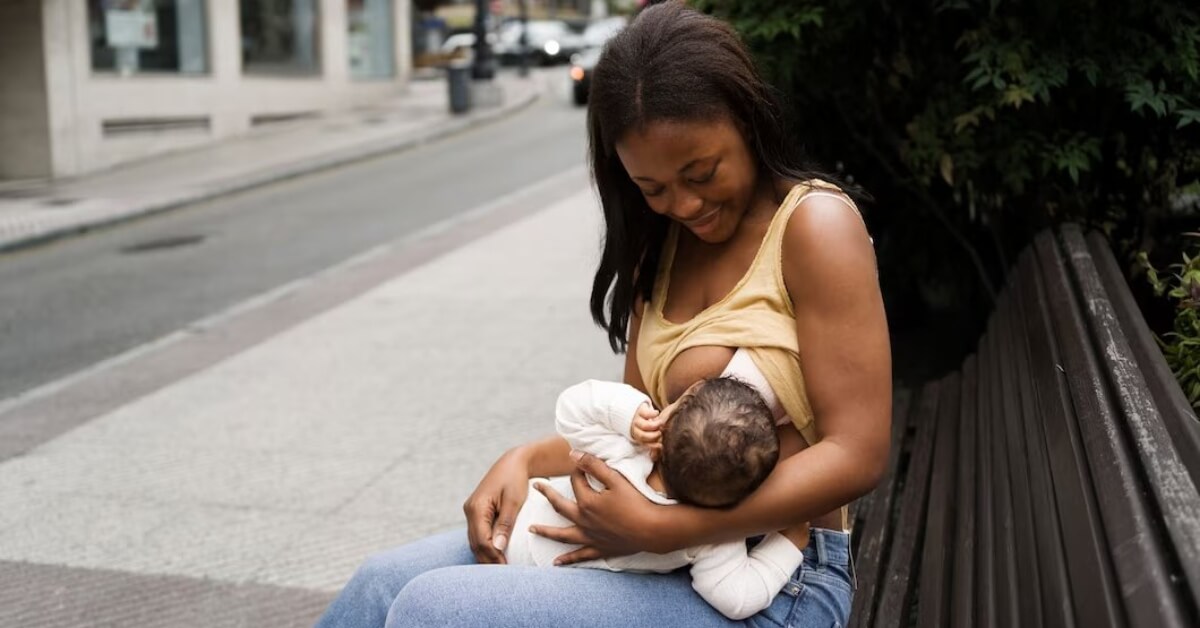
pixel 548 42
pixel 582 66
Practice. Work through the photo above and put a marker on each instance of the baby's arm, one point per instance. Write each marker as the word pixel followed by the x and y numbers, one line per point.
pixel 739 583
pixel 595 417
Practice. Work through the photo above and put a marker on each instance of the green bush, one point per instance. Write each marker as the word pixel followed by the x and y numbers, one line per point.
pixel 1181 345
pixel 976 123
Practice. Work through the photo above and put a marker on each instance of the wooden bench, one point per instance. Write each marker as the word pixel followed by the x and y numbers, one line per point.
pixel 1052 480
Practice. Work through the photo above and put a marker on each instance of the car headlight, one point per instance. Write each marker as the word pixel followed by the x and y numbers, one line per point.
pixel 552 47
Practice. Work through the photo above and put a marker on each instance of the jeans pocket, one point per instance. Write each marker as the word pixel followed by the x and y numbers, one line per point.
pixel 779 614
pixel 826 600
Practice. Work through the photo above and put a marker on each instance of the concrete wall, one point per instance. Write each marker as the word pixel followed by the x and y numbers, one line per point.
pixel 24 118
pixel 82 101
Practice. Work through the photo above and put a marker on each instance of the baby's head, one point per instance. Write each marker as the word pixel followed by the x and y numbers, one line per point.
pixel 718 443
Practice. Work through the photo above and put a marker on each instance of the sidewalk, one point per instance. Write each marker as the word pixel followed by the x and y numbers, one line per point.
pixel 247 492
pixel 31 215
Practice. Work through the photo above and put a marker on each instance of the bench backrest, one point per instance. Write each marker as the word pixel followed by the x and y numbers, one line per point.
pixel 1052 480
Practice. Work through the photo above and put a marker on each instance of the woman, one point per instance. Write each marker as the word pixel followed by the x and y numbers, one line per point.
pixel 717 240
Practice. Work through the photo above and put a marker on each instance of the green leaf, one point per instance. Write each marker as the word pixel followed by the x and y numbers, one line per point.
pixel 965 120
pixel 1015 95
pixel 1187 116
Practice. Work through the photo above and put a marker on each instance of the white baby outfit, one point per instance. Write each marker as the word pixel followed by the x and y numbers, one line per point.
pixel 595 417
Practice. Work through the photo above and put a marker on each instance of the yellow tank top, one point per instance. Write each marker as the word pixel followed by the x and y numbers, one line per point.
pixel 756 315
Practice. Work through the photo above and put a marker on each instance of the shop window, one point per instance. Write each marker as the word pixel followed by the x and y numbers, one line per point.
pixel 139 36
pixel 280 37
pixel 370 42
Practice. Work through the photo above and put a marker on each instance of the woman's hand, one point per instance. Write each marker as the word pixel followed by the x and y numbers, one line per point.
pixel 614 521
pixel 492 509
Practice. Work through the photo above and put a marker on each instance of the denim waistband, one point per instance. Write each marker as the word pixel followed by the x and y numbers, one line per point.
pixel 828 547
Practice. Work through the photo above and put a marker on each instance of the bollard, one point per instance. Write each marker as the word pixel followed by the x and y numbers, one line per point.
pixel 458 77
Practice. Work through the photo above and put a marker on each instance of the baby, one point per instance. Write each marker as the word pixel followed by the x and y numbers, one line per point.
pixel 712 447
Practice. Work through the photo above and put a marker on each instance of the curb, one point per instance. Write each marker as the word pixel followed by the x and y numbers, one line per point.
pixel 294 170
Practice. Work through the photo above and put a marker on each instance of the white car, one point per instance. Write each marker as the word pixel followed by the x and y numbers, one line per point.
pixel 547 42
pixel 463 45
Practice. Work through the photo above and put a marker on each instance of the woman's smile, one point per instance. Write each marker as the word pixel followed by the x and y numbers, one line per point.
pixel 704 222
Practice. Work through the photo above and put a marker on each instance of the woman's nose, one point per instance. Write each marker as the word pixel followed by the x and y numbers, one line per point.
pixel 687 206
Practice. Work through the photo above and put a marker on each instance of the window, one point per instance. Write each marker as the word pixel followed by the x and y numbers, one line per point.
pixel 279 37
pixel 371 47
pixel 136 36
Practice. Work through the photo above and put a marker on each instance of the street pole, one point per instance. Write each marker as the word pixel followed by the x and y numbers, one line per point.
pixel 482 68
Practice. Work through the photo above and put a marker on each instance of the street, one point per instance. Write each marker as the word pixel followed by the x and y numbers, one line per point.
pixel 76 302
pixel 211 416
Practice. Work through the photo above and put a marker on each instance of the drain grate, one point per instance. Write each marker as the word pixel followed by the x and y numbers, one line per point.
pixel 160 244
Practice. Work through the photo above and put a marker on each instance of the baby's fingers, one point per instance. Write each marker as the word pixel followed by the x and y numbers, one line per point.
pixel 646 434
pixel 646 411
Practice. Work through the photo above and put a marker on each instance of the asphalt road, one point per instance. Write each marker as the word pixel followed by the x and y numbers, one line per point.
pixel 73 303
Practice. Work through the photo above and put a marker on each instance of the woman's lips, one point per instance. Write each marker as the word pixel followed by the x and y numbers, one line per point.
pixel 703 221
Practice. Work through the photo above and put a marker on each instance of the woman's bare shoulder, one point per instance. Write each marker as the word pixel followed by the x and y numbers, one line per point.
pixel 826 248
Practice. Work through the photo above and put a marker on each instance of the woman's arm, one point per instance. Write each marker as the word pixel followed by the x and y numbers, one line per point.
pixel 830 272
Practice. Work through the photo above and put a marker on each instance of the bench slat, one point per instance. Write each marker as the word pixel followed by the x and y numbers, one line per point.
pixel 1092 582
pixel 962 597
pixel 1177 413
pixel 1005 541
pixel 1026 590
pixel 1048 541
pixel 874 534
pixel 895 594
pixel 933 599
pixel 1146 587
pixel 985 520
pixel 1177 502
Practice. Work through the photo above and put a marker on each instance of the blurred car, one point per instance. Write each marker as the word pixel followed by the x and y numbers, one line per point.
pixel 548 42
pixel 582 66
pixel 597 33
pixel 462 46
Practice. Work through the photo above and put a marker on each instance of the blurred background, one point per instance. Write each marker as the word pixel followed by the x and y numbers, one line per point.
pixel 280 278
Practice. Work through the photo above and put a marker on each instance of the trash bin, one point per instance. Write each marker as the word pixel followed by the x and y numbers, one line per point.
pixel 458 77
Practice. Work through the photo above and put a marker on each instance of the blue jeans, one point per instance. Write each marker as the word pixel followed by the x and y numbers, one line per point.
pixel 436 582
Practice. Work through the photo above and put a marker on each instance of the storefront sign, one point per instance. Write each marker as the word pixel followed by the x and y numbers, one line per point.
pixel 131 29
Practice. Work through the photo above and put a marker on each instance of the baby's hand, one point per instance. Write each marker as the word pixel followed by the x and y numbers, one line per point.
pixel 647 429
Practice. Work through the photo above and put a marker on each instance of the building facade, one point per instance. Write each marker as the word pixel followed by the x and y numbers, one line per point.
pixel 88 84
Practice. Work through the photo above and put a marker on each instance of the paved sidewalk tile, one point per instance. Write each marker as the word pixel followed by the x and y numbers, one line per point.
pixel 41 596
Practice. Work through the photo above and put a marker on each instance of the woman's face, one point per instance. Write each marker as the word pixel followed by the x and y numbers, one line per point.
pixel 700 174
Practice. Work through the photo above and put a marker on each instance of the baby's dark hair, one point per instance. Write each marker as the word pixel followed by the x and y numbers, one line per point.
pixel 719 444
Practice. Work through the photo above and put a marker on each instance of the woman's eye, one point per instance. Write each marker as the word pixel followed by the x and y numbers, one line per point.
pixel 706 178
pixel 657 192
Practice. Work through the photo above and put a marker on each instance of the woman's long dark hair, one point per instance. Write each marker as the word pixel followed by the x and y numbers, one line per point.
pixel 671 64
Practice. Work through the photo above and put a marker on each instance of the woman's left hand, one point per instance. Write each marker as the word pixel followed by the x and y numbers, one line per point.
pixel 614 521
